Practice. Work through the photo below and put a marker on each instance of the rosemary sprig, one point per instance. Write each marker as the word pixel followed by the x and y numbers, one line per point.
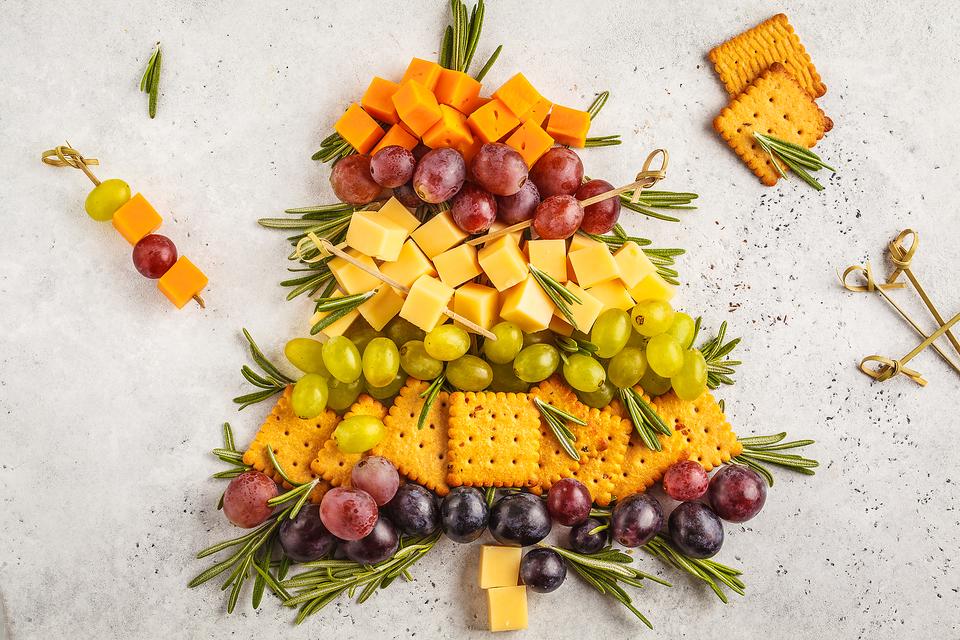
pixel 556 419
pixel 651 200
pixel 460 39
pixel 480 75
pixel 797 157
pixel 338 307
pixel 429 396
pixel 710 571
pixel 759 451
pixel 561 297
pixel 605 569
pixel 229 454
pixel 593 110
pixel 333 148
pixel 663 259
pixel 572 344
pixel 271 381
pixel 150 81
pixel 715 352
pixel 646 421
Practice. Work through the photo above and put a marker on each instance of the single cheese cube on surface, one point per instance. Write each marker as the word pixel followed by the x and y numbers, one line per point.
pixel 653 287
pixel 381 308
pixel 340 326
pixel 438 234
pixel 633 263
pixel 457 265
pixel 584 312
pixel 503 263
pixel 351 278
pixel 136 218
pixel 451 131
pixel 560 326
pixel 507 608
pixel 417 107
pixel 499 566
pixel 457 89
pixel 426 72
pixel 426 303
pixel 478 303
pixel 550 256
pixel 594 265
pixel 410 265
pixel 530 141
pixel 612 294
pixel 396 136
pixel 376 235
pixel 358 128
pixel 181 282
pixel 377 100
pixel 527 305
pixel 538 112
pixel 492 121
pixel 568 126
pixel 395 211
pixel 518 94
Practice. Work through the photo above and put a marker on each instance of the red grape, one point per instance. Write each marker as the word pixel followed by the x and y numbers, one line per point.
pixel 558 172
pixel 245 500
pixel 473 209
pixel 499 169
pixel 348 514
pixel 599 217
pixel 696 530
pixel 439 175
pixel 557 217
pixel 520 206
pixel 154 255
pixel 636 519
pixel 352 182
pixel 407 196
pixel 377 476
pixel 569 502
pixel 685 480
pixel 378 545
pixel 737 493
pixel 304 538
pixel 392 166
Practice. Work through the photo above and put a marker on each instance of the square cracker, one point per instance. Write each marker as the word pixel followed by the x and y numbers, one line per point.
pixel 419 454
pixel 773 104
pixel 555 464
pixel 704 433
pixel 741 60
pixel 494 440
pixel 333 465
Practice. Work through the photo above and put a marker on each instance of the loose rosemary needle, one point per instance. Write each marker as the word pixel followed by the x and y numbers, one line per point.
pixel 150 81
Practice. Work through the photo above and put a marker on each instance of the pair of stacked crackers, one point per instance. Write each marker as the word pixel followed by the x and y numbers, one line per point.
pixel 490 439
pixel 773 86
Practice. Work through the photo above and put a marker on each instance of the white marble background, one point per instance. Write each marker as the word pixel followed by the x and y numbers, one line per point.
pixel 110 399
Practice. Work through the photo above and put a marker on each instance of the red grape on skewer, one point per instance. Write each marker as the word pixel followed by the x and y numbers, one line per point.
pixel 154 255
pixel 557 217
pixel 600 217
pixel 520 206
pixel 558 172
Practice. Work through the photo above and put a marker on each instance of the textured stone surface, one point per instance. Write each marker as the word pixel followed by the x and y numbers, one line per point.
pixel 110 399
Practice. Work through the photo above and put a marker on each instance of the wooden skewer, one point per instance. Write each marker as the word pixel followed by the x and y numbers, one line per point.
pixel 889 368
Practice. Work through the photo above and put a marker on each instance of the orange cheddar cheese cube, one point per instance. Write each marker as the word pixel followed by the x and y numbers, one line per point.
pixel 136 218
pixel 538 112
pixel 584 312
pixel 593 265
pixel 477 303
pixel 468 151
pixel 550 256
pixel 503 263
pixel 426 303
pixel 410 265
pixel 396 136
pixel 423 71
pixel 396 212
pixel 377 100
pixel 438 234
pixel 376 235
pixel 492 121
pixel 351 278
pixel 417 107
pixel 181 282
pixel 633 263
pixel 568 126
pixel 530 141
pixel 475 104
pixel 527 305
pixel 381 308
pixel 456 266
pixel 450 131
pixel 458 90
pixel 518 94
pixel 612 294
pixel 338 327
pixel 358 128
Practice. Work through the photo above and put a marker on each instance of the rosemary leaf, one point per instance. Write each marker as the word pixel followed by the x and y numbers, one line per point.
pixel 429 396
pixel 719 367
pixel 488 64
pixel 553 417
pixel 758 450
pixel 797 157
pixel 150 81
pixel 561 297
pixel 272 381
pixel 709 571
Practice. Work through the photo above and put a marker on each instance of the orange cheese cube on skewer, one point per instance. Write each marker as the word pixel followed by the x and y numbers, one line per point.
pixel 458 90
pixel 338 327
pixel 538 112
pixel 568 126
pixel 351 278
pixel 518 94
pixel 426 302
pixel 381 308
pixel 417 107
pixel 477 303
pixel 530 141
pixel 377 100
pixel 396 136
pixel 450 131
pixel 411 264
pixel 376 235
pixel 182 282
pixel 492 121
pixel 136 218
pixel 425 72
pixel 358 128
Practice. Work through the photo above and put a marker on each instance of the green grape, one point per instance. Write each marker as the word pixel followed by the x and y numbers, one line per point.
pixel 583 373
pixel 627 367
pixel 309 397
pixel 418 363
pixel 600 398
pixel 447 342
pixel 538 337
pixel 507 345
pixel 361 333
pixel 402 331
pixel 653 384
pixel 342 359
pixel 682 328
pixel 342 395
pixel 664 355
pixel 389 390
pixel 306 354
pixel 506 380
pixel 652 317
pixel 691 380
pixel 106 198
pixel 610 332
pixel 536 362
pixel 357 434
pixel 469 373
pixel 380 361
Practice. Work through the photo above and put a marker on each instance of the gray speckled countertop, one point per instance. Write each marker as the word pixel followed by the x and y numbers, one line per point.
pixel 110 399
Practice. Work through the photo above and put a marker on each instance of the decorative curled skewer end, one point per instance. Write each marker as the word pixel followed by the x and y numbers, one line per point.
pixel 67 156
pixel 199 301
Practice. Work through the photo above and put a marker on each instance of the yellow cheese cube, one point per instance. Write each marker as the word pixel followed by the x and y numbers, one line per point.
pixel 612 294
pixel 477 303
pixel 503 262
pixel 594 265
pixel 395 211
pixel 381 308
pixel 426 302
pixel 507 608
pixel 550 256
pixel 527 305
pixel 633 263
pixel 340 326
pixel 499 566
pixel 516 235
pixel 653 287
pixel 438 234
pixel 579 241
pixel 376 235
pixel 586 311
pixel 409 265
pixel 560 326
pixel 352 279
pixel 457 265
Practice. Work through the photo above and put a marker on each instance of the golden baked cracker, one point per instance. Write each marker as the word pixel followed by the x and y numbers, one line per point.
pixel 773 104
pixel 602 444
pixel 333 465
pixel 739 61
pixel 643 467
pixel 704 432
pixel 554 461
pixel 494 440
pixel 419 454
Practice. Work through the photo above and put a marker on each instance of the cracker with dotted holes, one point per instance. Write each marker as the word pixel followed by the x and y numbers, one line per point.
pixel 334 465
pixel 773 104
pixel 554 461
pixel 603 445
pixel 419 454
pixel 643 467
pixel 741 60
pixel 494 440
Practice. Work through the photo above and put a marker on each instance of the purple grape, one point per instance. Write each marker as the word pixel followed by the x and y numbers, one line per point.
pixel 636 520
pixel 464 514
pixel 582 541
pixel 407 196
pixel 377 476
pixel 245 500
pixel 557 217
pixel 352 182
pixel 304 538
pixel 392 166
pixel 685 480
pixel 543 570
pixel 519 519
pixel 473 209
pixel 558 172
pixel 569 502
pixel 520 206
pixel 499 169
pixel 349 514
pixel 737 493
pixel 439 175
pixel 600 217
pixel 696 530
pixel 414 510
pixel 378 545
